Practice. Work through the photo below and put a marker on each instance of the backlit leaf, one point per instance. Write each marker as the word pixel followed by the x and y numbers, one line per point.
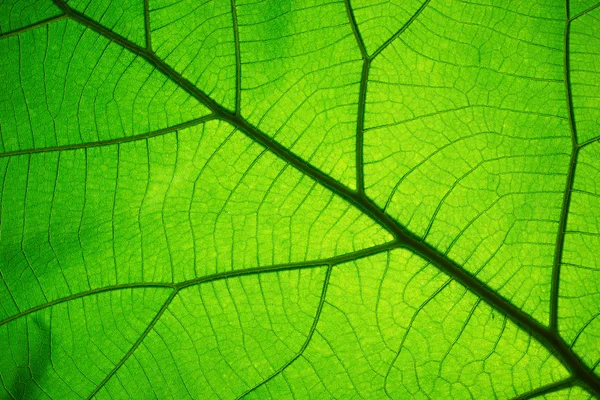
pixel 299 199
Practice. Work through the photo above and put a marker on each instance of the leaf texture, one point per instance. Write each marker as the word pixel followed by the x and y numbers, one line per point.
pixel 299 199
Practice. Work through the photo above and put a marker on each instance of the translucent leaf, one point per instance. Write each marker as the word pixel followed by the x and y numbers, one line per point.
pixel 299 199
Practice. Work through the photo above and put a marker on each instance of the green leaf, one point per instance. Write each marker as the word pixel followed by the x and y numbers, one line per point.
pixel 299 199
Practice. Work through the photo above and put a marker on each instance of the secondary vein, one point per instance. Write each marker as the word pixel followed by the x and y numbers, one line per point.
pixel 125 139
pixel 401 30
pixel 362 97
pixel 547 389
pixel 32 26
pixel 309 336
pixel 238 62
pixel 135 345
pixel 335 260
pixel 147 25
pixel 564 213
pixel 584 12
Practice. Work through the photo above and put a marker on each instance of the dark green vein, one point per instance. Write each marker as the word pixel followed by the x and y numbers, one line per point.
pixel 32 26
pixel 92 292
pixel 564 213
pixel 583 328
pixel 402 29
pixel 357 255
pixel 238 62
pixel 588 142
pixel 408 239
pixel 134 138
pixel 135 345
pixel 362 96
pixel 309 336
pixel 360 128
pixel 567 78
pixel 359 40
pixel 547 389
pixel 560 241
pixel 584 12
pixel 147 25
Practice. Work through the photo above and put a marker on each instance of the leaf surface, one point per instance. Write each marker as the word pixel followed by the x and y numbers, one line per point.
pixel 299 199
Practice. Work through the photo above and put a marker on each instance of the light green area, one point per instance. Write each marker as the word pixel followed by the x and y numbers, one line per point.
pixel 218 339
pixel 156 244
pixel 300 79
pixel 467 139
pixel 394 326
pixel 124 17
pixel 196 38
pixel 585 75
pixel 65 351
pixel 580 287
pixel 17 14
pixel 379 21
pixel 177 207
pixel 62 84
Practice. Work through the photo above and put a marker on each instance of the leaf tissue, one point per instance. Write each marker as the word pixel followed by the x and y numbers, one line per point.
pixel 299 199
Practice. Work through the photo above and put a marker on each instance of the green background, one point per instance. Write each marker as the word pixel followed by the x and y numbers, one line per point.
pixel 299 199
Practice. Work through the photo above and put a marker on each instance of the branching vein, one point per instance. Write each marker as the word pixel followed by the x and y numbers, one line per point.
pixel 135 345
pixel 147 25
pixel 125 139
pixel 547 389
pixel 306 342
pixel 238 62
pixel 32 26
pixel 362 100
pixel 584 12
pixel 401 30
pixel 357 255
pixel 562 225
